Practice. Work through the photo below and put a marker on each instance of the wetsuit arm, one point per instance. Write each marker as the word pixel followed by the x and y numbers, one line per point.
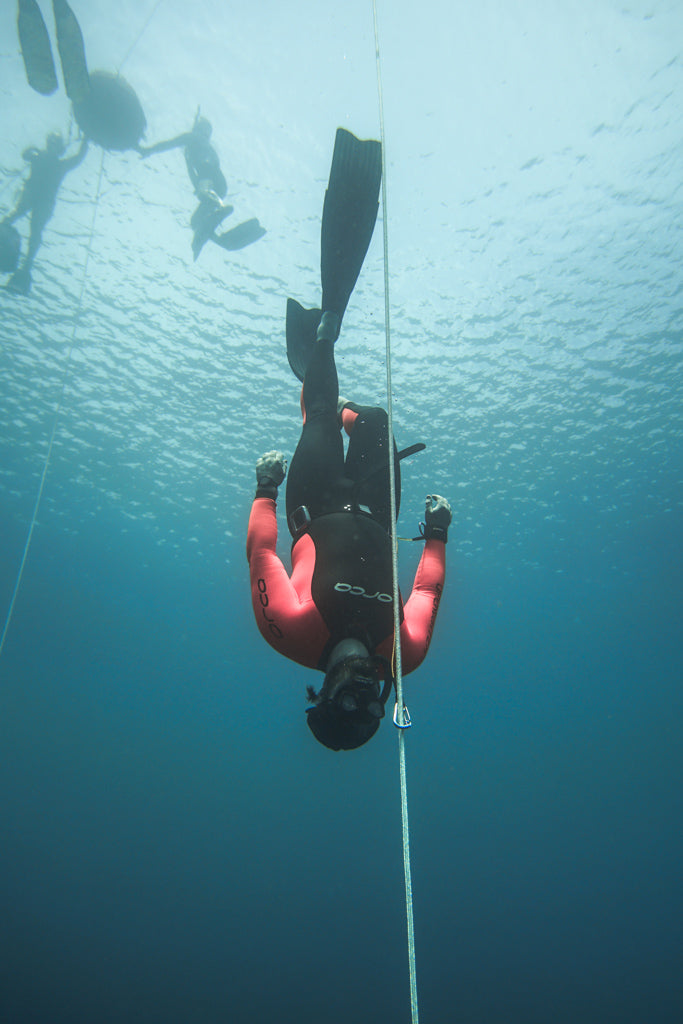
pixel 30 154
pixel 285 614
pixel 423 604
pixel 162 147
pixel 76 159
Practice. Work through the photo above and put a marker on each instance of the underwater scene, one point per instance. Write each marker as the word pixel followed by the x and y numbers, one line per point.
pixel 199 773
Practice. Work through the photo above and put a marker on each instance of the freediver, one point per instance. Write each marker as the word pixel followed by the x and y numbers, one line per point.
pixel 210 188
pixel 334 612
pixel 38 197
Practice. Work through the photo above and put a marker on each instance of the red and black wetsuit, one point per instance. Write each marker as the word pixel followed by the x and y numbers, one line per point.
pixel 341 580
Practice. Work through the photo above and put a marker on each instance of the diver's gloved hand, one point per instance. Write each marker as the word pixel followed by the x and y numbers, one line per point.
pixel 270 472
pixel 437 518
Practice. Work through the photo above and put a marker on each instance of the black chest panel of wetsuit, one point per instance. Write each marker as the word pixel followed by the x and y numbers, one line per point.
pixel 352 579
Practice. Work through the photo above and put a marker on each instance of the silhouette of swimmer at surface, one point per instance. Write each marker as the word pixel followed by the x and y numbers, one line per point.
pixel 210 188
pixel 38 197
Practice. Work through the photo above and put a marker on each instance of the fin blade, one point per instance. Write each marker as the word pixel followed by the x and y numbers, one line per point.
pixel 301 326
pixel 71 52
pixel 349 215
pixel 204 223
pixel 206 218
pixel 242 235
pixel 35 48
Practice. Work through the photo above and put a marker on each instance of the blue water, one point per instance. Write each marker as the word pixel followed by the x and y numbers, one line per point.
pixel 175 847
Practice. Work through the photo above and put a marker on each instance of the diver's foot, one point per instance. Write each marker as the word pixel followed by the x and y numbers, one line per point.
pixel 328 329
pixel 347 414
pixel 205 220
pixel 208 216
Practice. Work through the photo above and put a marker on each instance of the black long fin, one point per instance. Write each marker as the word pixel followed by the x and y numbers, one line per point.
pixel 71 52
pixel 35 48
pixel 349 216
pixel 301 327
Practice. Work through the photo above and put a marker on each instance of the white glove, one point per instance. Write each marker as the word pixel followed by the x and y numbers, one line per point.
pixel 271 469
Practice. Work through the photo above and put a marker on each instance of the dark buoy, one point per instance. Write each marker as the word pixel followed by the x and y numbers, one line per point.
pixel 111 115
pixel 10 244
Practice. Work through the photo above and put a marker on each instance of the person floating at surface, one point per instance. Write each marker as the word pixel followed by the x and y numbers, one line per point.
pixel 210 188
pixel 335 612
pixel 38 197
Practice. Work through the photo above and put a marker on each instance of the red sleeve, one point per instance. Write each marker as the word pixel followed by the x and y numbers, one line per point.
pixel 422 605
pixel 284 609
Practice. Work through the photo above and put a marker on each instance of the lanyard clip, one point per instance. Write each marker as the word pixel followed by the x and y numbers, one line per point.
pixel 406 723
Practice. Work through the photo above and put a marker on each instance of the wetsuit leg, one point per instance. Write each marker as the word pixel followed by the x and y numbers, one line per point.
pixel 40 215
pixel 367 463
pixel 22 207
pixel 316 475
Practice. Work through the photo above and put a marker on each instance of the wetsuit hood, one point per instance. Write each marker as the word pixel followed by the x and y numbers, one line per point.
pixel 347 711
pixel 202 127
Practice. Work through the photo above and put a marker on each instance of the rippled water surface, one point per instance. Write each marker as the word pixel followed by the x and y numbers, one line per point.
pixel 534 228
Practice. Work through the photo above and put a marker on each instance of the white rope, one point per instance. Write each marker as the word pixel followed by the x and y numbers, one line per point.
pixel 60 400
pixel 401 718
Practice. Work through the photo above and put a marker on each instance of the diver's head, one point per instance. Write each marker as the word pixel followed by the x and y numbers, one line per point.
pixel 347 711
pixel 54 143
pixel 202 127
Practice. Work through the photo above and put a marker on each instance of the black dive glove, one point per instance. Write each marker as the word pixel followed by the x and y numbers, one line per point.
pixel 437 518
pixel 270 472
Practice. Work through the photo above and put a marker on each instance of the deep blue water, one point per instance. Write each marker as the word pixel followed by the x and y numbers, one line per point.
pixel 177 848
pixel 174 845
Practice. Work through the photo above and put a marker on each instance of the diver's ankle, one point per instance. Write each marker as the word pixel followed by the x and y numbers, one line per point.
pixel 328 328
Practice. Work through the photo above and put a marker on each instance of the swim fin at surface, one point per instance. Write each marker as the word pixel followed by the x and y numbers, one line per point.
pixel 35 48
pixel 204 222
pixel 349 216
pixel 71 52
pixel 240 236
